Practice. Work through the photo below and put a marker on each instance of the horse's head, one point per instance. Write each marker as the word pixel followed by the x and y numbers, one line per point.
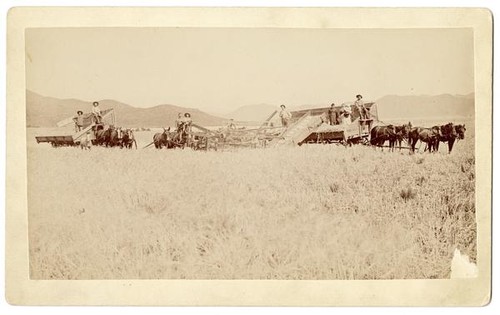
pixel 460 130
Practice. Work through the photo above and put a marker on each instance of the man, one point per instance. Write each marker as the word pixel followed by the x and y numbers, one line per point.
pixel 345 112
pixel 332 115
pixel 185 127
pixel 186 122
pixel 96 111
pixel 285 116
pixel 360 105
pixel 178 122
pixel 78 121
pixel 231 125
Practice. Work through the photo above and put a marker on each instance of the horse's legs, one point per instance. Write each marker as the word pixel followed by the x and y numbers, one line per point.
pixel 450 144
pixel 413 144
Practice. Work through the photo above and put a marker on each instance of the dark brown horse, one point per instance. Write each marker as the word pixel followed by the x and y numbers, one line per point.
pixel 401 133
pixel 460 130
pixel 163 139
pixel 380 134
pixel 102 136
pixel 448 133
pixel 428 135
pixel 114 137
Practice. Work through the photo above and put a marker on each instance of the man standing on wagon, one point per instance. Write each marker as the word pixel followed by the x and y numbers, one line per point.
pixel 285 116
pixel 178 122
pixel 78 121
pixel 96 111
pixel 360 105
pixel 332 115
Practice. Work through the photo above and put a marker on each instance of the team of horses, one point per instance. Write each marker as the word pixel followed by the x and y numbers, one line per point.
pixel 430 136
pixel 114 137
pixel 178 139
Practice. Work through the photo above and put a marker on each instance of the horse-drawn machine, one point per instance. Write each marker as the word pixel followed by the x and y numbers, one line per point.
pixel 345 126
pixel 306 126
pixel 74 138
pixel 102 132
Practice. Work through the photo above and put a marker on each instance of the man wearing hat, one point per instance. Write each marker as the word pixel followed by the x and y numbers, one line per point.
pixel 360 105
pixel 285 116
pixel 185 126
pixel 96 111
pixel 78 121
pixel 333 115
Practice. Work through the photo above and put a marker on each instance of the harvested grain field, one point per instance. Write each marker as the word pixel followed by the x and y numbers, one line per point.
pixel 309 212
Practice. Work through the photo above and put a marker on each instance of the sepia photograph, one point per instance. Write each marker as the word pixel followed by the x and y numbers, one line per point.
pixel 252 153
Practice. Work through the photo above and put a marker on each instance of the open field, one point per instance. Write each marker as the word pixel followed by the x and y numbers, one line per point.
pixel 310 212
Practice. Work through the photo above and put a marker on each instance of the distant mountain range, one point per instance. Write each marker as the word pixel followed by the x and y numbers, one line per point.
pixel 42 111
pixel 424 106
pixel 47 111
pixel 389 107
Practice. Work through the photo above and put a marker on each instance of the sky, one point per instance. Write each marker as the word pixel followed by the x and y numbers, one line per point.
pixel 220 69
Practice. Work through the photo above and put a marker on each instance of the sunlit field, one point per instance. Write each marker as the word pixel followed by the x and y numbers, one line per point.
pixel 309 212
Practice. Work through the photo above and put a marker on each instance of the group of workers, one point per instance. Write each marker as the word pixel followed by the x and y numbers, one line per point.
pixel 183 123
pixel 336 116
pixel 79 119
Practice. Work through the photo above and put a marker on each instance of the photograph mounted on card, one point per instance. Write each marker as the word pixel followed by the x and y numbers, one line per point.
pixel 249 156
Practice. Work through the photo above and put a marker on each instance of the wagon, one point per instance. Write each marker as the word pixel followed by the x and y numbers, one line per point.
pixel 71 139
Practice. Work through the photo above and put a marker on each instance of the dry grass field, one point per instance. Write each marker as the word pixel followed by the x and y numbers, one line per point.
pixel 310 212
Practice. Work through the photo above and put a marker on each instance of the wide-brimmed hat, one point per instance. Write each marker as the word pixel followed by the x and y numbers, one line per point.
pixel 79 112
pixel 95 103
pixel 283 106
pixel 359 95
pixel 187 115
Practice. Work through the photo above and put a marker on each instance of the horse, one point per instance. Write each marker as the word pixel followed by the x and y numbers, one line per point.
pixel 401 133
pixel 460 130
pixel 448 134
pixel 163 139
pixel 102 136
pixel 428 135
pixel 128 139
pixel 380 134
pixel 114 137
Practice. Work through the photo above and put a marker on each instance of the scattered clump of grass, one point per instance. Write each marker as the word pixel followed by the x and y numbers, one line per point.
pixel 334 187
pixel 420 180
pixel 407 194
pixel 420 160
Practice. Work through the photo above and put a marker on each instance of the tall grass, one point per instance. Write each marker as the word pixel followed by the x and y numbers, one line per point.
pixel 310 212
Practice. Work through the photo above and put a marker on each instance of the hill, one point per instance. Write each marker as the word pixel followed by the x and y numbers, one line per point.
pixel 45 111
pixel 424 106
